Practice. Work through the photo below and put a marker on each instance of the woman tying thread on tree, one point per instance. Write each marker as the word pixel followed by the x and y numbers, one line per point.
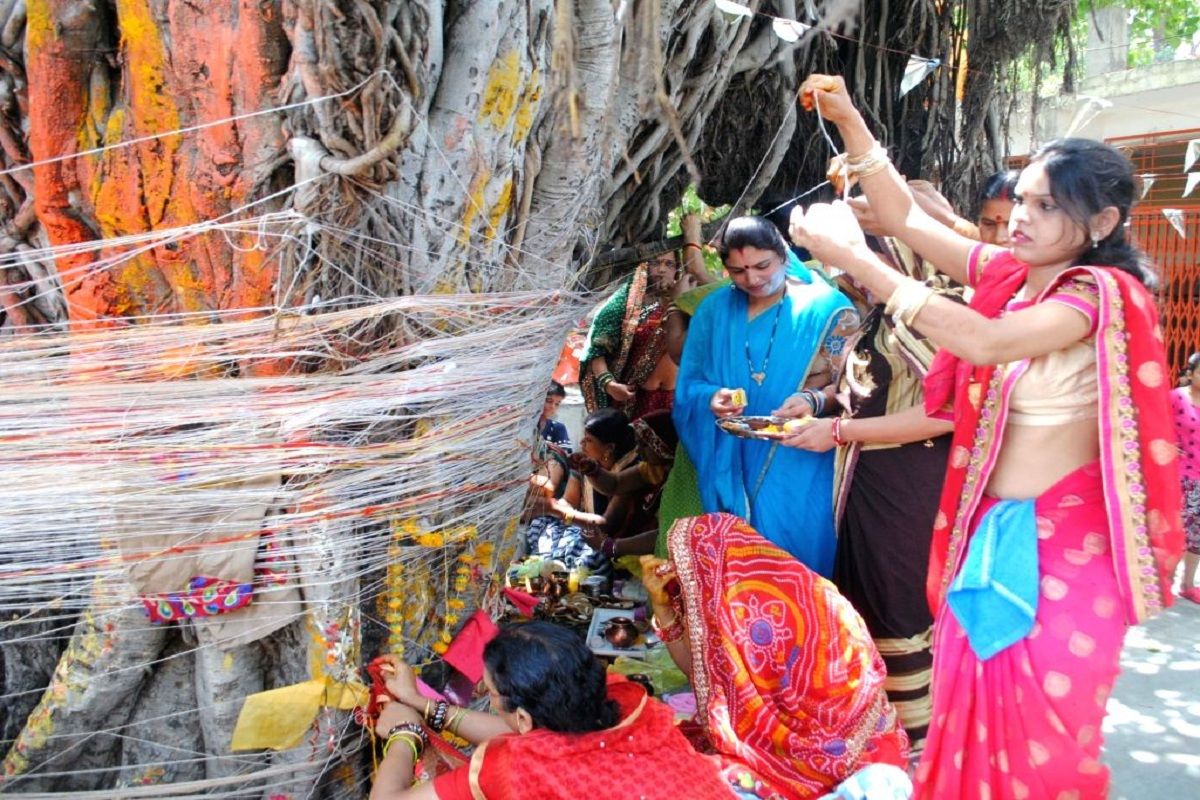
pixel 770 343
pixel 891 459
pixel 557 726
pixel 1060 513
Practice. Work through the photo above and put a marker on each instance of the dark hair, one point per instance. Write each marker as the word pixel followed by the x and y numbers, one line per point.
pixel 1085 178
pixel 1000 186
pixel 556 390
pixel 756 232
pixel 547 670
pixel 611 426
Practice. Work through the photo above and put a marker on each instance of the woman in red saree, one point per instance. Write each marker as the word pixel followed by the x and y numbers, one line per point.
pixel 558 730
pixel 1059 521
pixel 786 677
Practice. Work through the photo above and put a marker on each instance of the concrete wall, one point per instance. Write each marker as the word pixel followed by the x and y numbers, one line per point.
pixel 1151 99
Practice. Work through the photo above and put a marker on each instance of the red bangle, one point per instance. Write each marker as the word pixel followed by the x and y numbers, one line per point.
pixel 672 633
pixel 837 432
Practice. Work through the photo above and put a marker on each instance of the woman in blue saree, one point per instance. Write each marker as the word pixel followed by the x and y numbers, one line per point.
pixel 777 333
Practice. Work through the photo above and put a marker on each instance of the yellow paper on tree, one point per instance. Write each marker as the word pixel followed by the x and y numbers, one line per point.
pixel 279 719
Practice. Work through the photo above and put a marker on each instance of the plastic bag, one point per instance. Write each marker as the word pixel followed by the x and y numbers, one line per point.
pixel 657 666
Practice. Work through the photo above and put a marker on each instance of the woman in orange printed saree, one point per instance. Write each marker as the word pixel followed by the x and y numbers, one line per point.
pixel 787 679
pixel 1059 521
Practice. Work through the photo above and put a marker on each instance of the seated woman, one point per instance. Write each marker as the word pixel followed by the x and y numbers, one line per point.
pixel 639 488
pixel 557 728
pixel 786 677
pixel 558 531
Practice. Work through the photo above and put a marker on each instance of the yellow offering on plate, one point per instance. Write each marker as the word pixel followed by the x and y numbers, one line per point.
pixel 795 425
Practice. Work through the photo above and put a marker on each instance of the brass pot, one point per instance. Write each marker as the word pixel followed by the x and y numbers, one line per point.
pixel 621 632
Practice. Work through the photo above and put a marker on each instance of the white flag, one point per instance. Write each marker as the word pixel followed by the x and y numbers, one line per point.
pixel 1191 154
pixel 917 70
pixel 1147 182
pixel 1193 179
pixel 789 29
pixel 730 7
pixel 1175 217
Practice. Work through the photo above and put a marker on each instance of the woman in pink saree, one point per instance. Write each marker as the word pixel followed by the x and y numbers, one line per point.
pixel 1059 521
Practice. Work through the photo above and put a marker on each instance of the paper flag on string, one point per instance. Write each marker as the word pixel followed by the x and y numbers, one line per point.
pixel 789 29
pixel 917 70
pixel 1193 179
pixel 1175 217
pixel 729 7
pixel 1147 182
pixel 1191 154
pixel 1087 112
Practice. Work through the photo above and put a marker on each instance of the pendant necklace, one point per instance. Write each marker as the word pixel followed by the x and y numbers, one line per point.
pixel 761 375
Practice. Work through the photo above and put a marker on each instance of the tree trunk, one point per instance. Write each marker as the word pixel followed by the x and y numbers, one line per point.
pixel 260 167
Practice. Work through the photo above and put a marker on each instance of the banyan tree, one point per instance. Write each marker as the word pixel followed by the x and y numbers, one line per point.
pixel 281 285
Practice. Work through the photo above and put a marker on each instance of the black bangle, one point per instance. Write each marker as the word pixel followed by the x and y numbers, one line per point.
pixel 408 727
pixel 438 719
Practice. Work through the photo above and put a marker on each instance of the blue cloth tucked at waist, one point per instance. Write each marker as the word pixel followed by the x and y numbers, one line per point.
pixel 995 595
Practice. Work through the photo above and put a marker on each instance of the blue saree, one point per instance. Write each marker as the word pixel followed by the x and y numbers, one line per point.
pixel 785 493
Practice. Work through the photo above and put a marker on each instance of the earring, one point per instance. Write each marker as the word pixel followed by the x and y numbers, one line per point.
pixel 1096 237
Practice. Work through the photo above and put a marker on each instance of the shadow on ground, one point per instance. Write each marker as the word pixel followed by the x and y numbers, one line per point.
pixel 1152 731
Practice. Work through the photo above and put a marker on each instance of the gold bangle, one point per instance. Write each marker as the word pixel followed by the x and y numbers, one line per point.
pixel 905 296
pixel 456 720
pixel 910 315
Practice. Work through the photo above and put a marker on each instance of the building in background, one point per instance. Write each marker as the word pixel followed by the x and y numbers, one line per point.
pixel 1152 113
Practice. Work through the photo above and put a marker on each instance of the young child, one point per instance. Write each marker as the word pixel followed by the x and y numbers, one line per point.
pixel 1185 405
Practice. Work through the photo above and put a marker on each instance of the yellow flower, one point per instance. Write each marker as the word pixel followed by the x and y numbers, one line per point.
pixel 455 604
pixel 440 648
pixel 406 528
pixel 431 539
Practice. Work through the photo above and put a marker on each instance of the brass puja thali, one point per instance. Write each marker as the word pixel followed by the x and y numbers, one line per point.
pixel 763 427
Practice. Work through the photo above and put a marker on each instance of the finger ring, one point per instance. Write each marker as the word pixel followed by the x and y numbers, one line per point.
pixel 663 570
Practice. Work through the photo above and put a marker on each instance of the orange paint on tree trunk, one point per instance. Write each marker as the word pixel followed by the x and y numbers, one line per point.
pixel 181 65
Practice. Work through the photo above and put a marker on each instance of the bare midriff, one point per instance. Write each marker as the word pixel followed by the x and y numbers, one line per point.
pixel 1033 458
pixel 663 376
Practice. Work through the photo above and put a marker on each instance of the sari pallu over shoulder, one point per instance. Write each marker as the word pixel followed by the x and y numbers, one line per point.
pixel 786 677
pixel 611 336
pixel 758 480
pixel 1137 444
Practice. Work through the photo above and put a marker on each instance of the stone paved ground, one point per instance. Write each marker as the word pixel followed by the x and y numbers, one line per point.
pixel 1152 732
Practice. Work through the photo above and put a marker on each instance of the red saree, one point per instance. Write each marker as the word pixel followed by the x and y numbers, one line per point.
pixel 1025 723
pixel 643 756
pixel 786 677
